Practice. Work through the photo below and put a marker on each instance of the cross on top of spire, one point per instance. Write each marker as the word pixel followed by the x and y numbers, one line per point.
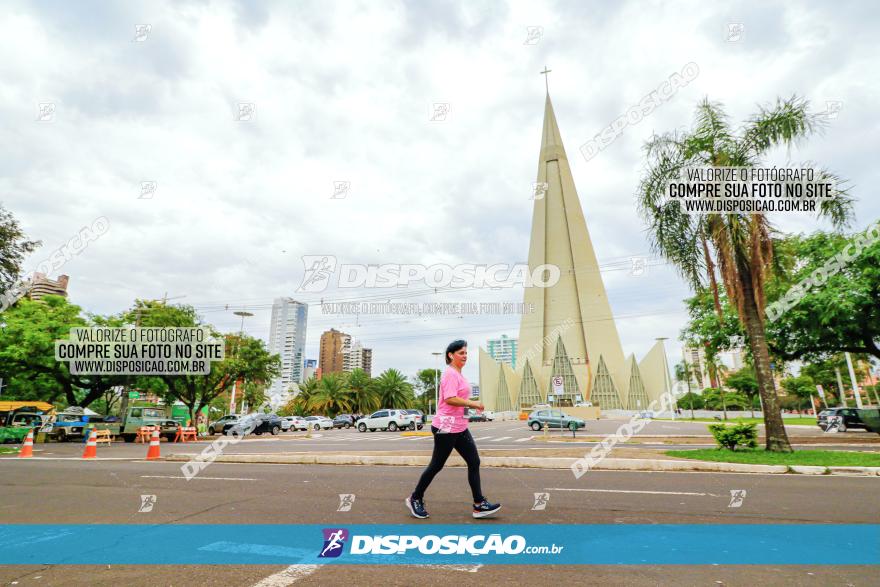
pixel 546 78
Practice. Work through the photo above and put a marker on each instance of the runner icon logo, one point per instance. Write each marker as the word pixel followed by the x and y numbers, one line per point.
pixel 334 542
pixel 541 500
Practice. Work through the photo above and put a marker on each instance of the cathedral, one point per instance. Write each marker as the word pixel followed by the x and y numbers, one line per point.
pixel 568 346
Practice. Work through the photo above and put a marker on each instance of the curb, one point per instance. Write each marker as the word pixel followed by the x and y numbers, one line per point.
pixel 538 463
pixel 422 433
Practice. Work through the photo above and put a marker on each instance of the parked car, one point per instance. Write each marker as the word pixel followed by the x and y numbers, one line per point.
pixel 319 422
pixel 294 423
pixel 475 416
pixel 553 419
pixel 343 421
pixel 387 420
pixel 219 426
pixel 584 405
pixel 541 407
pixel 490 416
pixel 255 424
pixel 420 417
pixel 851 418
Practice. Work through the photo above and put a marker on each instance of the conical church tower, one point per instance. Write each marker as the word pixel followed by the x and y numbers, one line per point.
pixel 572 325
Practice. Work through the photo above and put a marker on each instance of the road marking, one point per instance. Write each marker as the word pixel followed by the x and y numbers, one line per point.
pixel 483 438
pixel 522 439
pixel 628 491
pixel 288 576
pixel 502 438
pixel 465 568
pixel 198 477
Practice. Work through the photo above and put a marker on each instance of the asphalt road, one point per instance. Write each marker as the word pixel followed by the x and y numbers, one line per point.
pixel 489 435
pixel 75 491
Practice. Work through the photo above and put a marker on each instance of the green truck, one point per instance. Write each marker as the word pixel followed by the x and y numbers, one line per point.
pixel 18 418
pixel 134 418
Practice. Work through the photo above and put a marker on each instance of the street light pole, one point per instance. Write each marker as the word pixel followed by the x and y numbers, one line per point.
pixel 243 315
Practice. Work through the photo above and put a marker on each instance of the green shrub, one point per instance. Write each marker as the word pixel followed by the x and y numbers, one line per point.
pixel 737 435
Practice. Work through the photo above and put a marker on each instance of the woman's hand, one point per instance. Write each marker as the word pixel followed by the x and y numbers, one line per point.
pixel 477 405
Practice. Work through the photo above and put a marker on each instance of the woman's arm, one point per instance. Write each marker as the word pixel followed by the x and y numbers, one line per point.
pixel 460 402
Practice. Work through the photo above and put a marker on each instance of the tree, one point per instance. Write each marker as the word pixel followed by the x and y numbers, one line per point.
pixel 693 401
pixel 298 406
pixel 14 245
pixel 741 243
pixel 683 373
pixel 331 396
pixel 801 387
pixel 246 358
pixel 715 398
pixel 425 381
pixel 27 354
pixel 393 389
pixel 364 398
pixel 843 314
pixel 744 382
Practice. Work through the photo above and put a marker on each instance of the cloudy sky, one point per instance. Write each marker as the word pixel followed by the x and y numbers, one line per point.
pixel 345 92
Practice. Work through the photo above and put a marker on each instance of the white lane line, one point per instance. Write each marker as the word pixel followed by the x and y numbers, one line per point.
pixel 502 438
pixel 522 439
pixel 464 568
pixel 483 438
pixel 628 491
pixel 288 576
pixel 198 477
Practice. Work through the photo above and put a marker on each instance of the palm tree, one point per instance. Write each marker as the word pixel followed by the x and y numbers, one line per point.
pixel 683 372
pixel 393 389
pixel 741 243
pixel 363 396
pixel 299 405
pixel 331 397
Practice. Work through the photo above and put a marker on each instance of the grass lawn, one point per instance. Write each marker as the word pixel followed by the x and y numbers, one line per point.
pixel 4 450
pixel 809 421
pixel 826 458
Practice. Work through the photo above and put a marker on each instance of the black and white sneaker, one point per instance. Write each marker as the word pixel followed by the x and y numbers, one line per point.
pixel 484 509
pixel 417 508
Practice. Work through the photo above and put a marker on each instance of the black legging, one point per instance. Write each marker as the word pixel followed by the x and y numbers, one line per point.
pixel 444 442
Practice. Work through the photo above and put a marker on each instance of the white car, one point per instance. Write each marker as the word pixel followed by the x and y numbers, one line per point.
pixel 319 422
pixel 387 420
pixel 541 407
pixel 490 416
pixel 584 405
pixel 293 423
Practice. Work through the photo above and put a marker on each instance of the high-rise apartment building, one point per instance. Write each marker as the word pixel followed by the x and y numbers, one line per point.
pixel 334 345
pixel 503 350
pixel 287 338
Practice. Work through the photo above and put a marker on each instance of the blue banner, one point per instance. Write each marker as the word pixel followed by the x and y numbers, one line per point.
pixel 508 544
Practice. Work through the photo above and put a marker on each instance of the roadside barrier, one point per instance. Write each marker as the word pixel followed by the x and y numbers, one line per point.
pixel 153 451
pixel 186 432
pixel 145 433
pixel 27 449
pixel 91 450
pixel 103 436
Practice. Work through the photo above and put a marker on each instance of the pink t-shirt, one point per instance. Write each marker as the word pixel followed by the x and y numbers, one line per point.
pixel 452 419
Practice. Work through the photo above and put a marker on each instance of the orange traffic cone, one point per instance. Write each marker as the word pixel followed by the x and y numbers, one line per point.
pixel 27 449
pixel 153 451
pixel 91 450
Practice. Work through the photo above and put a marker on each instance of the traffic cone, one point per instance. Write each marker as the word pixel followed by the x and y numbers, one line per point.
pixel 91 450
pixel 153 451
pixel 27 449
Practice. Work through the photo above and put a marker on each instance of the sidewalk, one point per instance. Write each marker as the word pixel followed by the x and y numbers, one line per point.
pixel 623 460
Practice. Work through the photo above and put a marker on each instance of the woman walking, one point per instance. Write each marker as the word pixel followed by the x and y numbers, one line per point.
pixel 450 432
